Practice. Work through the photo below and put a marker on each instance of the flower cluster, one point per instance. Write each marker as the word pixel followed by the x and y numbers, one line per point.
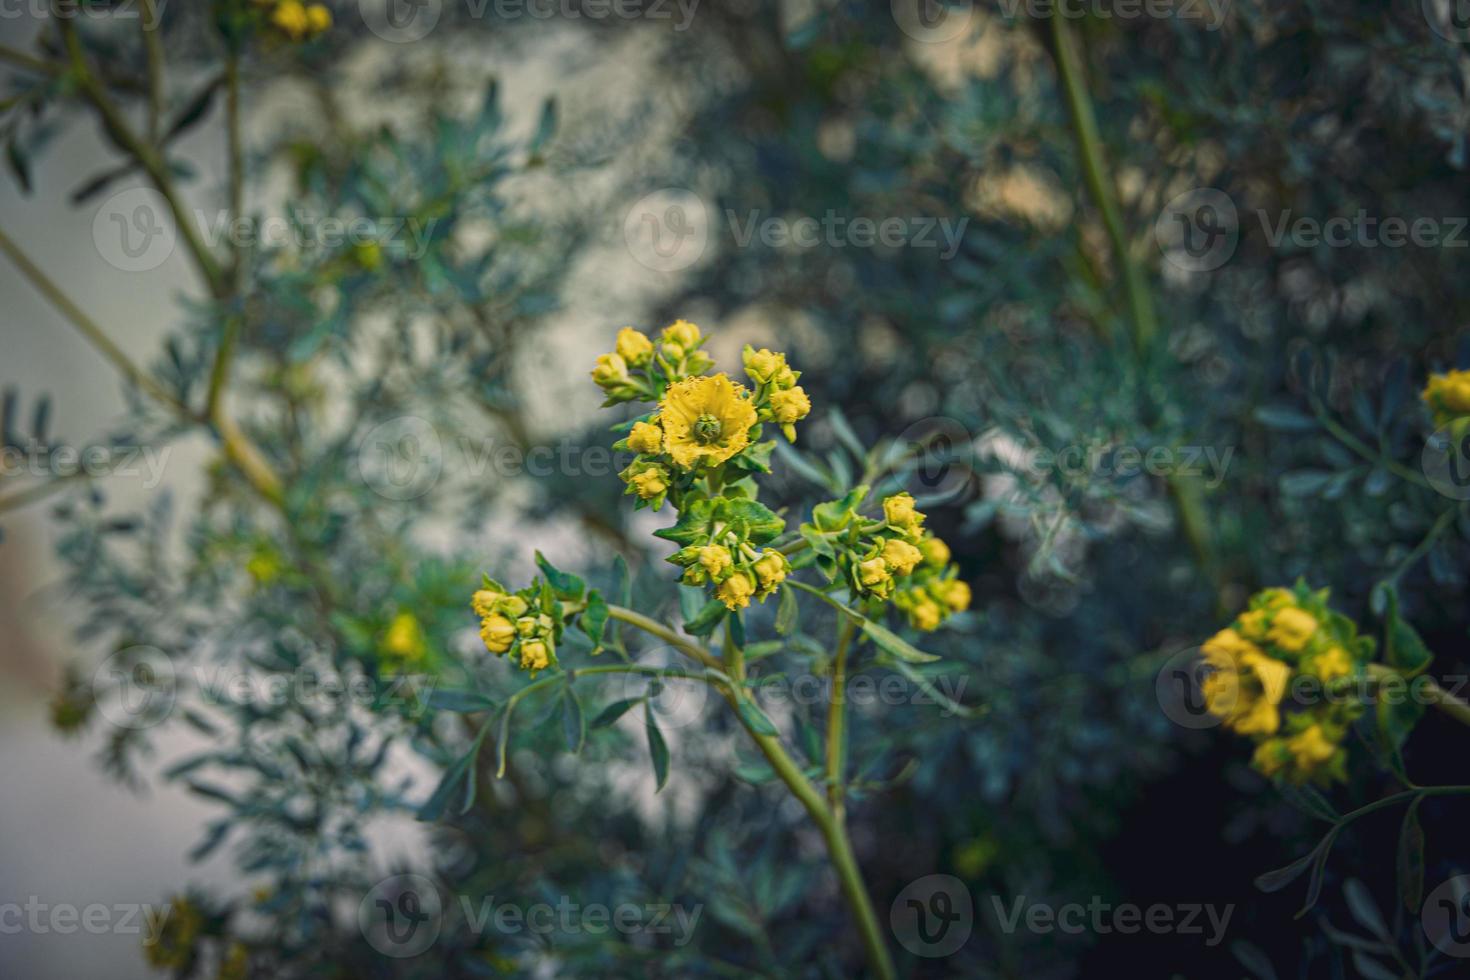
pixel 1285 634
pixel 527 623
pixel 721 540
pixel 888 558
pixel 1448 396
pixel 297 21
pixel 705 432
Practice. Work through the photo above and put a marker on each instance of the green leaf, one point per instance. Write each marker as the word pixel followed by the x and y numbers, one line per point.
pixel 1284 419
pixel 843 431
pixel 754 717
pixel 1403 648
pixel 564 584
pixel 835 514
pixel 594 619
pixel 458 778
pixel 693 524
pixel 891 642
pixel 1304 483
pixel 20 164
pixel 705 621
pixel 462 701
pixel 658 750
pixel 760 523
pixel 613 712
pixel 788 612
pixel 546 128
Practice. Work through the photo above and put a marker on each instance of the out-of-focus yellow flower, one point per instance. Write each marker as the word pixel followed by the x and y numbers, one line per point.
pixel 1330 664
pixel 900 556
pixel 735 591
pixel 405 638
pixel 899 511
pixel 936 552
pixel 1253 625
pixel 291 19
pixel 633 347
pixel 1311 748
pixel 1291 629
pixel 954 593
pixel 498 633
pixel 646 438
pixel 715 559
pixel 1448 395
pixel 926 616
pixel 1246 687
pixel 705 420
pixel 318 18
pixel 171 947
pixel 235 964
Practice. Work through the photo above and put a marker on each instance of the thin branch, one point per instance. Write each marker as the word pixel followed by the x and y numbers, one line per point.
pixel 153 44
pixel 837 720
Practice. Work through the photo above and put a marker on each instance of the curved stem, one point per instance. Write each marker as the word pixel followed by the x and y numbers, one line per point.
pixel 666 633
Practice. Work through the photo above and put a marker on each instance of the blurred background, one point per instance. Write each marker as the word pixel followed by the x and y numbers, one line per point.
pixel 1003 228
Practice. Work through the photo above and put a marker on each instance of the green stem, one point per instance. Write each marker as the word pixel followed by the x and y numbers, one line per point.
pixel 837 721
pixel 1450 704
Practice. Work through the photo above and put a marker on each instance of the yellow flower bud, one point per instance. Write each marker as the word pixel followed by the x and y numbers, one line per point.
pixel 772 568
pixel 535 655
pixel 291 19
pixel 790 406
pixel 926 616
pixel 873 573
pixel 646 438
pixel 318 18
pixel 900 556
pixel 1253 625
pixel 513 605
pixel 936 552
pixel 1448 395
pixel 715 559
pixel 650 482
pixel 1311 748
pixel 955 594
pixel 528 626
pixel 682 333
pixel 633 347
pixel 498 633
pixel 763 365
pixel 405 637
pixel 484 600
pixel 1291 629
pixel 899 511
pixel 735 591
pixel 610 372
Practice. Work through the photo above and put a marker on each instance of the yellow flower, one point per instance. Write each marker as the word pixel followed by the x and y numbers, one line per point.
pixel 715 559
pixel 535 655
pixel 1259 717
pixel 1225 648
pixel 498 633
pixel 484 600
pixel 611 371
pixel 682 335
pixel 873 575
pixel 1310 748
pixel 1291 629
pixel 1448 395
pixel 1274 599
pixel 955 594
pixel 171 947
pixel 291 19
pixel 513 605
pixel 1253 625
pixel 318 18
pixel 936 552
pixel 650 482
pixel 926 616
pixel 900 556
pixel 899 511
pixel 633 347
pixel 735 591
pixel 528 625
pixel 646 438
pixel 235 964
pixel 405 638
pixel 1270 757
pixel 763 365
pixel 771 568
pixel 1273 675
pixel 1331 664
pixel 790 406
pixel 705 420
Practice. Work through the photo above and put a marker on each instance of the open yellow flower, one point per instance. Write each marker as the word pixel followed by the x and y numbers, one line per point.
pixel 1448 395
pixel 706 420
